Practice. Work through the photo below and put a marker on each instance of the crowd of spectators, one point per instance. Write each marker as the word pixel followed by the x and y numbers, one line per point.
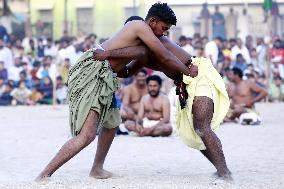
pixel 35 70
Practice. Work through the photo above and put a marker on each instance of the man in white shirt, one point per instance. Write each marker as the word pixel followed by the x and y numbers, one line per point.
pixel 212 50
pixel 67 51
pixel 14 71
pixel 239 48
pixel 6 55
pixel 50 49
pixel 183 44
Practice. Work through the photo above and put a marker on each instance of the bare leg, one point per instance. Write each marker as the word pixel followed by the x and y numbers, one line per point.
pixel 163 130
pixel 202 111
pixel 105 139
pixel 159 130
pixel 131 126
pixel 73 146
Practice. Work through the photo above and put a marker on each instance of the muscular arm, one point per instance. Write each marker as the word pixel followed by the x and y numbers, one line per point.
pixel 141 112
pixel 130 53
pixel 166 58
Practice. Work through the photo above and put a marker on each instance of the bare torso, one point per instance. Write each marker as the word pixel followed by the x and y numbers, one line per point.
pixel 153 107
pixel 126 37
pixel 242 93
pixel 135 95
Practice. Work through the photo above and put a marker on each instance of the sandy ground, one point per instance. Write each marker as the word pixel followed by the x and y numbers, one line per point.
pixel 30 136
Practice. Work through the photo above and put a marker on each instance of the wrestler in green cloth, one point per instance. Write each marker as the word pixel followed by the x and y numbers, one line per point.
pixel 91 85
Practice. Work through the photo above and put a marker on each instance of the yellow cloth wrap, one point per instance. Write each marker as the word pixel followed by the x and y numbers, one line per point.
pixel 208 83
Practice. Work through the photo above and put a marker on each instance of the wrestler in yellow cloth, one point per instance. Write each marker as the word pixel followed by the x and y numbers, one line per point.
pixel 208 83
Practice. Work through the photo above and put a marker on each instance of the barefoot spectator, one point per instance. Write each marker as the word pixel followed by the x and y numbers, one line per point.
pixel 243 99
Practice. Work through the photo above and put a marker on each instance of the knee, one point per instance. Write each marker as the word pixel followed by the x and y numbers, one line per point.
pixel 129 125
pixel 168 130
pixel 203 132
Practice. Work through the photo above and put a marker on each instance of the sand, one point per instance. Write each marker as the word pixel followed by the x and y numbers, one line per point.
pixel 30 136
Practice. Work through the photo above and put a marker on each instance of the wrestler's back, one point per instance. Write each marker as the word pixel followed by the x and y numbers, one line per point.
pixel 126 37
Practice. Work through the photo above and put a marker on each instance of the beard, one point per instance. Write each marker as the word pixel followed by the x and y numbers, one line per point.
pixel 153 94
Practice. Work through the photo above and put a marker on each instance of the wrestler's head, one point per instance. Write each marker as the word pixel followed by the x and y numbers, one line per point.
pixel 154 83
pixel 140 77
pixel 160 18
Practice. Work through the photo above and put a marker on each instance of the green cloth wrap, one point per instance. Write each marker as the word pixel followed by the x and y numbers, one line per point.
pixel 91 85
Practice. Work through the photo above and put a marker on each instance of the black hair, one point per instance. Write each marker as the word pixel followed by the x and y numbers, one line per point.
pixel 219 38
pixel 49 39
pixel 182 38
pixel 154 78
pixel 24 73
pixel 142 70
pixel 239 55
pixel 237 71
pixel 163 12
pixel 133 18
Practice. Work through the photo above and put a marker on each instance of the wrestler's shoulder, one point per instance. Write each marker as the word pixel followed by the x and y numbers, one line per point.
pixel 138 24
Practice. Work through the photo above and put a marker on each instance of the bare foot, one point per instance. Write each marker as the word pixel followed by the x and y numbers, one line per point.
pixel 100 174
pixel 42 178
pixel 147 131
pixel 226 176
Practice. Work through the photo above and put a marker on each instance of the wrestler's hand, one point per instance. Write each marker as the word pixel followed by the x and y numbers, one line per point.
pixel 100 55
pixel 193 71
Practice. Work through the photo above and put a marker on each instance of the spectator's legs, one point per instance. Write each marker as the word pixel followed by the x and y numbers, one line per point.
pixel 160 130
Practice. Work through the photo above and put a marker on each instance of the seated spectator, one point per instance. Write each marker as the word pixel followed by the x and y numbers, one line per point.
pixel 50 49
pixel 61 91
pixel 3 71
pixel 6 98
pixel 240 63
pixel 243 98
pixel 2 85
pixel 46 89
pixel 154 112
pixel 276 93
pixel 277 57
pixel 63 69
pixel 21 94
pixel 34 71
pixel 36 96
pixel 132 95
pixel 14 71
pixel 23 78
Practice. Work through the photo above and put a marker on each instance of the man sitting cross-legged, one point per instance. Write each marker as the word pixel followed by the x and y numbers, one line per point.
pixel 154 112
pixel 132 95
